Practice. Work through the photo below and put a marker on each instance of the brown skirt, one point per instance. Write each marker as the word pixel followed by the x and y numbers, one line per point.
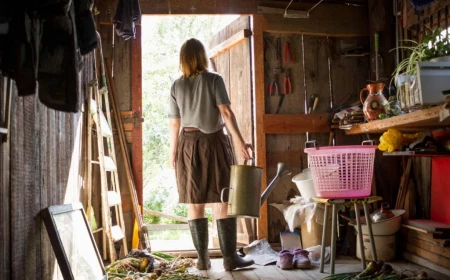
pixel 203 166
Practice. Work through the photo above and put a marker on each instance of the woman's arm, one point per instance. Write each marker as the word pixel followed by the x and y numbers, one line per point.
pixel 174 130
pixel 232 127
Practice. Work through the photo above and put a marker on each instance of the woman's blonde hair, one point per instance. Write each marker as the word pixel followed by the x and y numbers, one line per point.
pixel 193 58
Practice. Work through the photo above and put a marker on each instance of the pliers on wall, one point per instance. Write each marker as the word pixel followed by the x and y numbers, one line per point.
pixel 268 45
pixel 287 87
pixel 288 50
pixel 273 89
pixel 287 82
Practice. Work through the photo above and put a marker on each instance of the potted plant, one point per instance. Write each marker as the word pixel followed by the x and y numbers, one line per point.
pixel 435 47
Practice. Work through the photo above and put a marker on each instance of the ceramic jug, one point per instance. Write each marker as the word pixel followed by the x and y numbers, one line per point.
pixel 374 103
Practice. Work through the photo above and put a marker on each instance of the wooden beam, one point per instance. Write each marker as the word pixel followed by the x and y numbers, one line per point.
pixel 259 110
pixel 136 107
pixel 298 123
pixel 188 7
pixel 324 20
pixel 230 42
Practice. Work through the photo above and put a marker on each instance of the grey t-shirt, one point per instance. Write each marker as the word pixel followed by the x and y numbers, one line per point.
pixel 195 100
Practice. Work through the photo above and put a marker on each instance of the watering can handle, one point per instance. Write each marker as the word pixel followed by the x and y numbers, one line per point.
pixel 361 94
pixel 252 158
pixel 222 193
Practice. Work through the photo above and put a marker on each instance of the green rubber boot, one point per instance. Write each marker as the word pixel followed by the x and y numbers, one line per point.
pixel 226 229
pixel 199 232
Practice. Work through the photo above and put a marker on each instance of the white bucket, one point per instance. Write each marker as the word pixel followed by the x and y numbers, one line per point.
pixel 305 184
pixel 384 245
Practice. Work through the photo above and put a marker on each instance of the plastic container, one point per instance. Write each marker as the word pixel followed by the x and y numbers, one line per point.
pixel 342 171
pixel 305 184
pixel 384 227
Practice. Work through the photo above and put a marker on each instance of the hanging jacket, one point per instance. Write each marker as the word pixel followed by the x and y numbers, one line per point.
pixel 60 62
pixel 127 13
pixel 87 37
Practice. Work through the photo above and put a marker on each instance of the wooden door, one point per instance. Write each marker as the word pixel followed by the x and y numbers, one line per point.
pixel 230 55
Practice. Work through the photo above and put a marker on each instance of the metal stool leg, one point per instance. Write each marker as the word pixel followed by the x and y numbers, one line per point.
pixel 360 236
pixel 324 232
pixel 369 227
pixel 333 237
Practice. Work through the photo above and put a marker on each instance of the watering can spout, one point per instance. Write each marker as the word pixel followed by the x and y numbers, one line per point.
pixel 282 170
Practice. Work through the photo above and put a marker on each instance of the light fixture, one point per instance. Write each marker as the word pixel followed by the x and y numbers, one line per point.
pixel 299 14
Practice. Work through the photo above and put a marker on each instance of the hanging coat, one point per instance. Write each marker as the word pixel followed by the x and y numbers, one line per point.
pixel 127 13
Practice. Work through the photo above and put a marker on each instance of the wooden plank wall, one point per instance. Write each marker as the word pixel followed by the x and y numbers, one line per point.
pixel 348 76
pixel 120 54
pixel 44 169
pixel 5 246
pixel 235 67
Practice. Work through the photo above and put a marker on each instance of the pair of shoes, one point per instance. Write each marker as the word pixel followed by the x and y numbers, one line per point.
pixel 301 259
pixel 297 259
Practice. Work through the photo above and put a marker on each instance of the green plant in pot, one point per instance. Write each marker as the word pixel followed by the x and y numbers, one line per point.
pixel 434 47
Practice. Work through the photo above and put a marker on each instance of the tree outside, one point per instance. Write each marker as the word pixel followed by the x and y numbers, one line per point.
pixel 162 37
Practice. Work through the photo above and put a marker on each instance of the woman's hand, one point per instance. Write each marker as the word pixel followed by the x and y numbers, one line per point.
pixel 172 159
pixel 243 148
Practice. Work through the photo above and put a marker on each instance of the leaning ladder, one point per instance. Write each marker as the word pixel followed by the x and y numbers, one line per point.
pixel 110 191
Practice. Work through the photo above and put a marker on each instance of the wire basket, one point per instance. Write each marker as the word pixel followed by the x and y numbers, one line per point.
pixel 342 171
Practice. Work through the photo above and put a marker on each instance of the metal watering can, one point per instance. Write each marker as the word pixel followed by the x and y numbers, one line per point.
pixel 245 198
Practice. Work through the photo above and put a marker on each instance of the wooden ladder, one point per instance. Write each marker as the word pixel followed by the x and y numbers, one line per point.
pixel 109 181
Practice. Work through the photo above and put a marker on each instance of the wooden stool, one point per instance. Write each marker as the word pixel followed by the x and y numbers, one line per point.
pixel 355 201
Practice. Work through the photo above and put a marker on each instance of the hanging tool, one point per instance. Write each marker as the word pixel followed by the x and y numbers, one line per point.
pixel 268 45
pixel 273 89
pixel 287 89
pixel 287 82
pixel 288 50
pixel 7 92
pixel 278 49
pixel 313 101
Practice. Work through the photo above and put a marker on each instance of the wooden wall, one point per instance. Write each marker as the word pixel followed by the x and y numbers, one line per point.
pixel 346 76
pixel 44 152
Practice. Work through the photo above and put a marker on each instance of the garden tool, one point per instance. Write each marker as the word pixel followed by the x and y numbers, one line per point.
pixel 245 197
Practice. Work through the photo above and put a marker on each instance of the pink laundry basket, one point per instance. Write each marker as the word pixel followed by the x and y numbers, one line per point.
pixel 342 171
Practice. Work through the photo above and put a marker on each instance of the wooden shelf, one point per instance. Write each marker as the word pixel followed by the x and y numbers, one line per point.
pixel 295 123
pixel 415 154
pixel 415 121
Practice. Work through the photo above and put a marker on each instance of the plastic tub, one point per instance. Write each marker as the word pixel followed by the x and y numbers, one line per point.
pixel 384 227
pixel 305 183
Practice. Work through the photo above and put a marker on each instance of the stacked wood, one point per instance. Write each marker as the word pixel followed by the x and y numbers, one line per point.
pixel 428 240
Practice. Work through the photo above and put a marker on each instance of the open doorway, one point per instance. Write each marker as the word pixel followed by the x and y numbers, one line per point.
pixel 162 38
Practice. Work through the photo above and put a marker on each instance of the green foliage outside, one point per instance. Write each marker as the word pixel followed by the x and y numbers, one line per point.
pixel 162 38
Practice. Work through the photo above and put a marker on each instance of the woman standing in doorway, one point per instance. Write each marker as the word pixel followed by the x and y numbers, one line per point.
pixel 201 153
